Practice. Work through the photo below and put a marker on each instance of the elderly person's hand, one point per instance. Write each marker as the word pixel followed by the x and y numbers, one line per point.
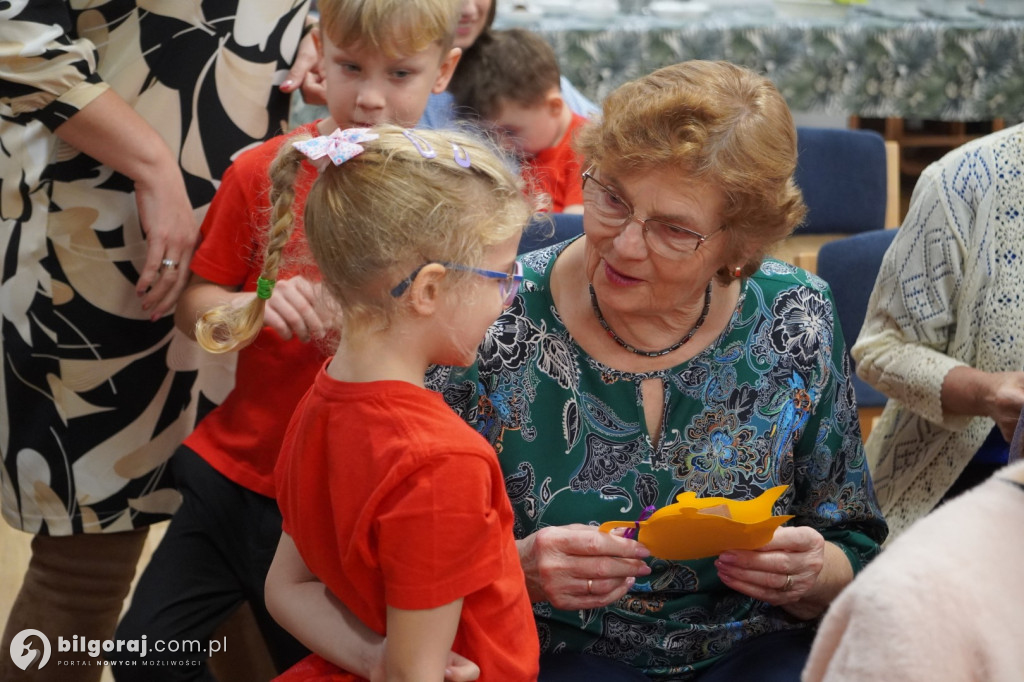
pixel 579 567
pixel 998 395
pixel 797 571
pixel 1006 401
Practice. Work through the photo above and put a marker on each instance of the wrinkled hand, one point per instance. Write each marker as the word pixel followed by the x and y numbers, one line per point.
pixel 171 234
pixel 306 74
pixel 782 572
pixel 1006 401
pixel 579 567
pixel 294 310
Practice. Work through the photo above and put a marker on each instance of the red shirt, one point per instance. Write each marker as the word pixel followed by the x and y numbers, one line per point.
pixel 241 438
pixel 392 499
pixel 556 171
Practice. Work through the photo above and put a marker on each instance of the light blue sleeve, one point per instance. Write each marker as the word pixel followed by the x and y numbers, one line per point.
pixel 577 102
pixel 440 111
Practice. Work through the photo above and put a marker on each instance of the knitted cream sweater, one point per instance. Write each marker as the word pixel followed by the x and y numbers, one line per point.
pixel 950 292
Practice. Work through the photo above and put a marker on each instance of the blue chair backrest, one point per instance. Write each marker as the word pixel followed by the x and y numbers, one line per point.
pixel 850 266
pixel 842 174
pixel 550 228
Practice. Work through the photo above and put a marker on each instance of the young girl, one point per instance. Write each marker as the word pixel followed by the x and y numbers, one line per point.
pixel 381 59
pixel 388 499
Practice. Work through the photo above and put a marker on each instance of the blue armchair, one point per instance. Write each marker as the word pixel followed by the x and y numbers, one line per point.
pixel 845 179
pixel 550 228
pixel 842 174
pixel 850 266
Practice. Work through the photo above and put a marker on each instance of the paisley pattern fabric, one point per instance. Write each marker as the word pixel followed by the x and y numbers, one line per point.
pixel 948 294
pixel 769 403
pixel 94 397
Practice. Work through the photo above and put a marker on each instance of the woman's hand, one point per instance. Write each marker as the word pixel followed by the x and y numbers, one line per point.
pixel 579 567
pixel 293 309
pixel 110 131
pixel 797 571
pixel 1006 401
pixel 171 234
pixel 305 74
pixel 998 395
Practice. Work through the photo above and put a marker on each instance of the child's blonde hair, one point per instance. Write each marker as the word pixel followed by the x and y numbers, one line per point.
pixel 373 219
pixel 395 27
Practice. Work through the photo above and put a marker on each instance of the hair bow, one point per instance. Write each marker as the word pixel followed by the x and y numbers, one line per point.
pixel 336 148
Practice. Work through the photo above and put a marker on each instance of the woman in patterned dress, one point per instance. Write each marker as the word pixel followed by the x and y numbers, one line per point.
pixel 116 120
pixel 660 353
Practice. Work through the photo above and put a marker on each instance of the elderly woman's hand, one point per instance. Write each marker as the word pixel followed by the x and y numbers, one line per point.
pixel 1006 400
pixel 797 570
pixel 579 567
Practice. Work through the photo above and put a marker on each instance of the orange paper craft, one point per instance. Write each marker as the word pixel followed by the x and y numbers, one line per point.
pixel 695 528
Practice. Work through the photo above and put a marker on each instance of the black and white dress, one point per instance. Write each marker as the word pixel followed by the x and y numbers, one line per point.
pixel 94 397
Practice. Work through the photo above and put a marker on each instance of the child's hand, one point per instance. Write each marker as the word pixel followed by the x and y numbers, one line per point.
pixel 460 669
pixel 293 310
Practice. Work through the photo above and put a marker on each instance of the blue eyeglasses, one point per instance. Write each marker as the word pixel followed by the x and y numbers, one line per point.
pixel 508 282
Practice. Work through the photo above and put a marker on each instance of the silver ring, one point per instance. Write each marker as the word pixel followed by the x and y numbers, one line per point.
pixel 590 587
pixel 789 584
pixel 168 263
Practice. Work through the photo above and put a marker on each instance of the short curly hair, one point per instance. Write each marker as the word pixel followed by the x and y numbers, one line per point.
pixel 717 123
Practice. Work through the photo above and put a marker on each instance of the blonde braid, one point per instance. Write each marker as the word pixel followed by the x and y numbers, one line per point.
pixel 226 327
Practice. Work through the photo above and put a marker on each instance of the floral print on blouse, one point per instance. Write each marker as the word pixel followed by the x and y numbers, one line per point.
pixel 769 403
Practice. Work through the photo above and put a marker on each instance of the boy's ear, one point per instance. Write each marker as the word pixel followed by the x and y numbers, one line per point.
pixel 425 291
pixel 444 74
pixel 555 103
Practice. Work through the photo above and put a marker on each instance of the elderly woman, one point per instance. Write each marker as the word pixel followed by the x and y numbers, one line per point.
pixel 657 354
pixel 943 334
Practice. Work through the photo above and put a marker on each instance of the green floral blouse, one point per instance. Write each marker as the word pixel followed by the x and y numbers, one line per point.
pixel 769 403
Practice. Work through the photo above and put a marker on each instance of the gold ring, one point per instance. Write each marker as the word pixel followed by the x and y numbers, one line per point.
pixel 789 584
pixel 590 587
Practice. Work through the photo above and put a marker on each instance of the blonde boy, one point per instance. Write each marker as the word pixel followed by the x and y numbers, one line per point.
pixel 380 60
pixel 513 86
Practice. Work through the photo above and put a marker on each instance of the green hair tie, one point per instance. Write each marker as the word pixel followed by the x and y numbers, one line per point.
pixel 264 287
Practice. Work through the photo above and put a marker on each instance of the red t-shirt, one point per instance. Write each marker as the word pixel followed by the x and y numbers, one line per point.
pixel 392 499
pixel 556 170
pixel 241 438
